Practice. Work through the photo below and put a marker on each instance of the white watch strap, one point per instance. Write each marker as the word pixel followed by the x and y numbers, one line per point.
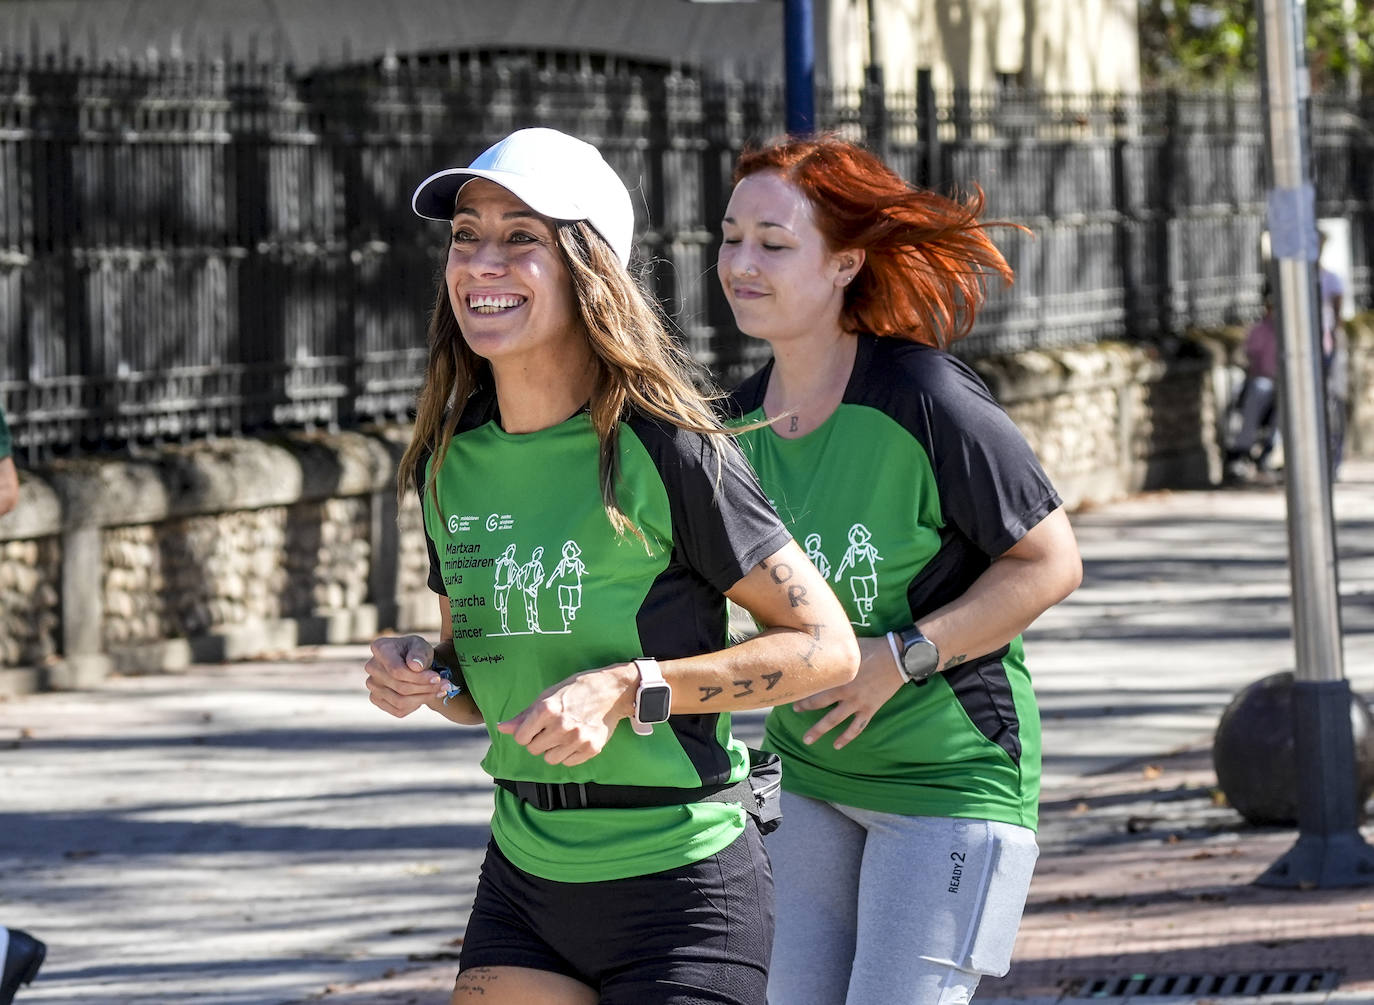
pixel 649 673
pixel 897 655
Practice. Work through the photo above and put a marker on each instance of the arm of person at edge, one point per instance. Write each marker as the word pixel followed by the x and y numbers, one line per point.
pixel 9 485
pixel 1022 583
pixel 808 644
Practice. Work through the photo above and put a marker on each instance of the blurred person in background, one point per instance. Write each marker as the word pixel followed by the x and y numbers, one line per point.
pixel 1257 402
pixel 1335 359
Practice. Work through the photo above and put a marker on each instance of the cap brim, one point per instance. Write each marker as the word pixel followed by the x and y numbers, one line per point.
pixel 434 198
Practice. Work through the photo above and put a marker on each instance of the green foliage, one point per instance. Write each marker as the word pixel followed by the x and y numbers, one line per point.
pixel 1217 42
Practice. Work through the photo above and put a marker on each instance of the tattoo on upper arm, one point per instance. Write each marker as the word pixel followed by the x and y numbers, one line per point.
pixel 708 692
pixel 796 596
pixel 470 982
pixel 954 661
pixel 747 685
pixel 781 572
pixel 814 629
pixel 772 679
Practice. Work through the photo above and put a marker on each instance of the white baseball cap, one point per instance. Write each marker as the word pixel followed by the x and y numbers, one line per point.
pixel 555 174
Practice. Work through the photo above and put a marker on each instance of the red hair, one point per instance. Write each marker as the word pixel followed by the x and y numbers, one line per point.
pixel 928 256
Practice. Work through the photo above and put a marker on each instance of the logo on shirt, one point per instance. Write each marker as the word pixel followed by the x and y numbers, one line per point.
pixel 496 521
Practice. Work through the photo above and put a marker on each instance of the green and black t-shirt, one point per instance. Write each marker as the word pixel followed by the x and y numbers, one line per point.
pixel 540 587
pixel 902 498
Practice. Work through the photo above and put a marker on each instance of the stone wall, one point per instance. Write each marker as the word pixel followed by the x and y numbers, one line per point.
pixel 214 550
pixel 240 548
pixel 1110 419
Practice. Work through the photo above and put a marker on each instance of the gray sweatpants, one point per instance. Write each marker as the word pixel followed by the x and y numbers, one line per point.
pixel 884 909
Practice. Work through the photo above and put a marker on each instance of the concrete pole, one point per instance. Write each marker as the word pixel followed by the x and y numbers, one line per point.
pixel 1329 851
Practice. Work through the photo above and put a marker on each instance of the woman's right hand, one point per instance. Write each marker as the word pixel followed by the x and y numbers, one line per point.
pixel 399 675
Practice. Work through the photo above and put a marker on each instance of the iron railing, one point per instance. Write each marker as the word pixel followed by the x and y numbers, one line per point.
pixel 207 248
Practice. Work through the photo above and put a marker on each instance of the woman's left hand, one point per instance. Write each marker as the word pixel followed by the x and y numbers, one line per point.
pixel 878 680
pixel 571 722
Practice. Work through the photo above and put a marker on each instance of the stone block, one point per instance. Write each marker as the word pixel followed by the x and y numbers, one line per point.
pixel 249 640
pixel 162 656
pixel 79 672
pixel 17 681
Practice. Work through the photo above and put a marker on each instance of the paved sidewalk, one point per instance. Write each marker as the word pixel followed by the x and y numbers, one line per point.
pixel 256 834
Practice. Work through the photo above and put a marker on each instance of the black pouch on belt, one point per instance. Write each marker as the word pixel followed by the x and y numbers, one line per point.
pixel 765 781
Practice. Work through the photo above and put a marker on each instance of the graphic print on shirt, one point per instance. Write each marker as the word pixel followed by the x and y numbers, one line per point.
pixel 507 574
pixel 862 557
pixel 567 579
pixel 818 559
pixel 521 590
pixel 528 581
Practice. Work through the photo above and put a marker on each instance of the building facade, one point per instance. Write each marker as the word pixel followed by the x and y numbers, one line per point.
pixel 1054 45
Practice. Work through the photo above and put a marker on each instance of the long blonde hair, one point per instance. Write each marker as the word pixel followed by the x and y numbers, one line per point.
pixel 638 364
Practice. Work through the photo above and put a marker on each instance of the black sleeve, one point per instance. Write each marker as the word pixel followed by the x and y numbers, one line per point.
pixel 747 396
pixel 723 525
pixel 436 579
pixel 991 485
pixel 480 408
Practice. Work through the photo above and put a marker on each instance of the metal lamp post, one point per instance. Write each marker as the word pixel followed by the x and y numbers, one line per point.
pixel 1329 851
pixel 799 61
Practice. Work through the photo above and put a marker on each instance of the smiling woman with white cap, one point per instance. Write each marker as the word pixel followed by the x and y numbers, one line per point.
pixel 558 418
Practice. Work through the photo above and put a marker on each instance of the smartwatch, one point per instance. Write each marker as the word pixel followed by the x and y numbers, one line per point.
pixel 920 658
pixel 652 699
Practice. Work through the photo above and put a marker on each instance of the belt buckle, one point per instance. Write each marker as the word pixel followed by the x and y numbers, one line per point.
pixel 553 795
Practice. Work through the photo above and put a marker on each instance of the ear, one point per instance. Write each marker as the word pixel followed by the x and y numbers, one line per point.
pixel 847 265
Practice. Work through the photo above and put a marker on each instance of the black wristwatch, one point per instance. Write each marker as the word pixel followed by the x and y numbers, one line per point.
pixel 920 658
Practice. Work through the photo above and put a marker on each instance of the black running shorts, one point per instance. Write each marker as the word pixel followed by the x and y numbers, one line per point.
pixel 700 934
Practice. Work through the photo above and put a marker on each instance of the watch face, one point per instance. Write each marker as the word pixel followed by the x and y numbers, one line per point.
pixel 921 659
pixel 653 702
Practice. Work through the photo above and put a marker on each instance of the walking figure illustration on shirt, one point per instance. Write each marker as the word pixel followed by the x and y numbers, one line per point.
pixel 567 576
pixel 863 585
pixel 813 552
pixel 507 572
pixel 531 578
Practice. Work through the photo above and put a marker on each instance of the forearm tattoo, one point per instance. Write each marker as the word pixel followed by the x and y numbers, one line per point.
pixel 745 685
pixel 954 661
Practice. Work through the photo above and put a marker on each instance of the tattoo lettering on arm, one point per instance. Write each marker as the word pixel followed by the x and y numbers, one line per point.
pixel 772 679
pixel 708 692
pixel 815 630
pixel 747 685
pixel 954 661
pixel 793 427
pixel 796 596
pixel 472 983
pixel 780 573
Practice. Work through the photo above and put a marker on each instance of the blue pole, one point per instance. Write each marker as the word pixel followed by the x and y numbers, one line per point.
pixel 799 43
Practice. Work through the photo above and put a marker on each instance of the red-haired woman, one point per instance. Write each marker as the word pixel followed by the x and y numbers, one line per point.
pixel 910 793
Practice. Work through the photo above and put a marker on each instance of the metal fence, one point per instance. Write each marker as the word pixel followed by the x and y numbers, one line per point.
pixel 194 248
